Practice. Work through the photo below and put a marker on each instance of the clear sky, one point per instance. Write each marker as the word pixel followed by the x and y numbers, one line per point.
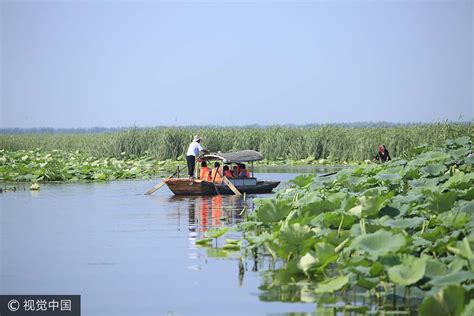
pixel 110 63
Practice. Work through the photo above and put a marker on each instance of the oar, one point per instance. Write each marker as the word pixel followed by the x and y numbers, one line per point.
pixel 231 186
pixel 159 185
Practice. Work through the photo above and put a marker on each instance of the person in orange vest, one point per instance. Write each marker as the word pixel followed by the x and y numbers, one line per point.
pixel 227 172
pixel 244 172
pixel 205 172
pixel 216 174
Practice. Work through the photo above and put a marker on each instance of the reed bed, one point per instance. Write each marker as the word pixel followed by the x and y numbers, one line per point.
pixel 336 143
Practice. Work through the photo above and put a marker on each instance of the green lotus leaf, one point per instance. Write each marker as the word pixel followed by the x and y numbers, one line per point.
pixel 435 156
pixel 440 202
pixel 460 153
pixel 454 278
pixel 297 238
pixel 217 232
pixel 379 243
pixel 424 182
pixel 368 283
pixel 303 180
pixel 469 160
pixel 410 271
pixel 434 268
pixel 370 203
pixel 467 207
pixel 315 204
pixel 462 141
pixel 332 285
pixel 448 301
pixel 272 210
pixel 405 223
pixel 337 219
pixel 434 170
pixel 410 173
pixel 260 239
pixel 460 181
pixel 389 177
pixel 325 254
pixel 469 309
pixel 204 241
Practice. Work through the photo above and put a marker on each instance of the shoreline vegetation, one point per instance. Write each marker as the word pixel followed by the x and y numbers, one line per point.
pixel 141 153
pixel 397 236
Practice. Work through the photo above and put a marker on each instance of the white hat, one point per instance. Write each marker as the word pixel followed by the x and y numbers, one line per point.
pixel 196 138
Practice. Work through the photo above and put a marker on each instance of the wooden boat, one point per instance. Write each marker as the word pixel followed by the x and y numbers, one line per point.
pixel 200 187
pixel 187 186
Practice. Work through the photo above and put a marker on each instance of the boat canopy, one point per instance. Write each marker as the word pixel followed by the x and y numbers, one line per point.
pixel 234 157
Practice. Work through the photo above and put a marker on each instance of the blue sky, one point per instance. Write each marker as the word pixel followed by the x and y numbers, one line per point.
pixel 110 63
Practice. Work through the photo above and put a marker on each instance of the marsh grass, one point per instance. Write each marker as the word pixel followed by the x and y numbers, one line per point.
pixel 275 143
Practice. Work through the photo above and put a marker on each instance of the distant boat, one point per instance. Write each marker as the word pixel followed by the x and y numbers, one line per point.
pixel 249 185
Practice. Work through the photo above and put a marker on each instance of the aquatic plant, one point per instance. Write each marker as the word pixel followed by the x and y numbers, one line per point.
pixel 403 228
pixel 57 165
pixel 325 144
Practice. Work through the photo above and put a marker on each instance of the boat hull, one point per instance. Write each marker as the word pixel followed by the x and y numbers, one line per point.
pixel 199 187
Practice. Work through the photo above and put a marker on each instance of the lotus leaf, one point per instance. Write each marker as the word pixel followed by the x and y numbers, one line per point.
pixel 454 278
pixel 448 301
pixel 434 170
pixel 410 271
pixel 272 210
pixel 379 243
pixel 332 285
pixel 440 202
pixel 434 268
pixel 303 180
pixel 404 223
pixel 297 238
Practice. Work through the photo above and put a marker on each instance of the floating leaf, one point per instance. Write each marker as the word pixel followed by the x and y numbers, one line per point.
pixel 217 232
pixel 331 285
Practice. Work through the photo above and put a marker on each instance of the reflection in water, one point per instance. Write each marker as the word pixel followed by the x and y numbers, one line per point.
pixel 205 212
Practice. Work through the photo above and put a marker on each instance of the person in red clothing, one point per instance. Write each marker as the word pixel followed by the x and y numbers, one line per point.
pixel 227 172
pixel 383 154
pixel 216 173
pixel 205 172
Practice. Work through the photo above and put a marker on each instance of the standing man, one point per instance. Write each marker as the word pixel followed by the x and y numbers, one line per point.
pixel 193 151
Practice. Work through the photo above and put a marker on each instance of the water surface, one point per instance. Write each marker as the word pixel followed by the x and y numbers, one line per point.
pixel 126 253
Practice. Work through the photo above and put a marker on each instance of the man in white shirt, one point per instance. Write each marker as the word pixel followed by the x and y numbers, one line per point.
pixel 193 151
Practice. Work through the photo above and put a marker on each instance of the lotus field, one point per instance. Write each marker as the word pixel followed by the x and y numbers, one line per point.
pixel 58 165
pixel 395 235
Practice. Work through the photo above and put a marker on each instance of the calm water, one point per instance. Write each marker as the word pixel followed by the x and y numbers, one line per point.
pixel 126 253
